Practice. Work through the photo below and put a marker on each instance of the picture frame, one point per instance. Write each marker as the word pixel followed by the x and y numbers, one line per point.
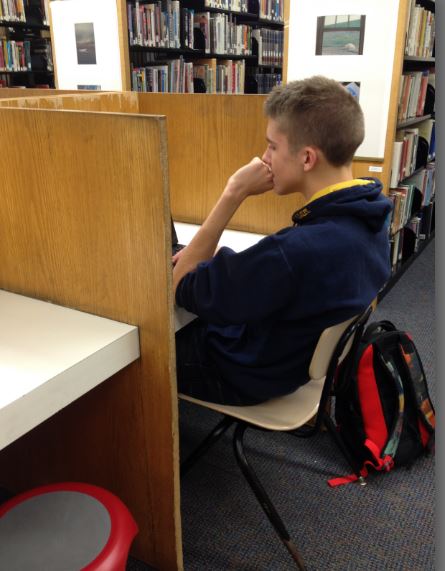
pixel 86 44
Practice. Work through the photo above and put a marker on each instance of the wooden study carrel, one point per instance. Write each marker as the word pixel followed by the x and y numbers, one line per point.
pixel 84 224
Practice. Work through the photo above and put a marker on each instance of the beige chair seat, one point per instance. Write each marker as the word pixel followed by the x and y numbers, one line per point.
pixel 281 413
pixel 290 411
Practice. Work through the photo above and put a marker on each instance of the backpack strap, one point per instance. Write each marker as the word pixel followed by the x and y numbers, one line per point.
pixel 334 482
pixel 394 438
pixel 342 480
pixel 416 375
pixel 378 327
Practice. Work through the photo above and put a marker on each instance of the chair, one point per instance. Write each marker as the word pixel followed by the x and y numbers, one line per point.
pixel 65 526
pixel 289 413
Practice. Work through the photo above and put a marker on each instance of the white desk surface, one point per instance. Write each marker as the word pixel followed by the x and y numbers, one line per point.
pixel 51 355
pixel 234 239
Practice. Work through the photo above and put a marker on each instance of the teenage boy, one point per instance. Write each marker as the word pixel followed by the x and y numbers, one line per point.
pixel 261 311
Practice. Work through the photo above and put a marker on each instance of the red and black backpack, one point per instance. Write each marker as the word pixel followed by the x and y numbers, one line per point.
pixel 383 409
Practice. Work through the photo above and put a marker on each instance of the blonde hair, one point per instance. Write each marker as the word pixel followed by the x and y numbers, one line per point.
pixel 318 111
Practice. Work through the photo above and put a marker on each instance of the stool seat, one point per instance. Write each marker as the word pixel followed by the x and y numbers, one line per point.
pixel 65 527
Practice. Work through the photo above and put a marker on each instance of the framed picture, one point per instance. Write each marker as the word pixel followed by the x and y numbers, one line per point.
pixel 86 44
pixel 340 35
pixel 354 43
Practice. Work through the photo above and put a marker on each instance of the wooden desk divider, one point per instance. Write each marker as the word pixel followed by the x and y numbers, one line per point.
pixel 84 224
pixel 209 137
pixel 9 92
pixel 108 101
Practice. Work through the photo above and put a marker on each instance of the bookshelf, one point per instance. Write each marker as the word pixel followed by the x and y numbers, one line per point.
pixel 412 181
pixel 205 46
pixel 25 44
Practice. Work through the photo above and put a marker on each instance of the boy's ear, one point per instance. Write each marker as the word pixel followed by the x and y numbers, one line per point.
pixel 310 158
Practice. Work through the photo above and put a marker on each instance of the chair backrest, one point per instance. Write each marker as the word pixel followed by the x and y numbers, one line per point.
pixel 325 348
pixel 335 343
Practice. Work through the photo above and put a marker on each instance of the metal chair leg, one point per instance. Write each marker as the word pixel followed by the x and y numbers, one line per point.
pixel 262 496
pixel 202 448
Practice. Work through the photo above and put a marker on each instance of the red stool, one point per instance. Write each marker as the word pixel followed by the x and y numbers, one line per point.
pixel 66 526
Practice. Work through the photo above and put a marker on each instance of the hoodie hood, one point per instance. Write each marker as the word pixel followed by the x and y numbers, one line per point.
pixel 364 201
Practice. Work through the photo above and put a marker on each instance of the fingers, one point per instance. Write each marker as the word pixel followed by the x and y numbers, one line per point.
pixel 176 256
pixel 253 178
pixel 258 161
pixel 269 175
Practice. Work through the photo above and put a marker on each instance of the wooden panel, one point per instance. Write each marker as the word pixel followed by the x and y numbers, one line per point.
pixel 209 137
pixel 286 39
pixel 123 44
pixel 122 102
pixel 395 83
pixel 9 92
pixel 53 43
pixel 84 223
pixel 360 168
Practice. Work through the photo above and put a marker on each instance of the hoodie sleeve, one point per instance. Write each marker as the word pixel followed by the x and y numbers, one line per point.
pixel 235 288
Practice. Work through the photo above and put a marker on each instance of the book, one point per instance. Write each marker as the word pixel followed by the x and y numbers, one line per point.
pixel 413 139
pixel 414 94
pixel 409 24
pixel 401 137
pixel 408 79
pixel 395 164
pixel 422 93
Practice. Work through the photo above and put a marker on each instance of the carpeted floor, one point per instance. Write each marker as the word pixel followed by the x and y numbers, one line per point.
pixel 386 525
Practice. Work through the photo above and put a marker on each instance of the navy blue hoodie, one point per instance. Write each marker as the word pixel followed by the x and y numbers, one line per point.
pixel 265 307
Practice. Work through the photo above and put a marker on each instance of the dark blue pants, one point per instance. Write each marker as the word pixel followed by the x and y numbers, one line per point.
pixel 198 376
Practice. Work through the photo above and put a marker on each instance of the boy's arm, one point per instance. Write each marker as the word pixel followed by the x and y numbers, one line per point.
pixel 253 178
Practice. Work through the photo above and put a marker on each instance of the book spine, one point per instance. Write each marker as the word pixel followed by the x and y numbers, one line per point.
pixel 395 165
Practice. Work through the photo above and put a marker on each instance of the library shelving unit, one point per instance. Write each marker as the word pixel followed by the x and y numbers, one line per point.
pixel 205 46
pixel 412 183
pixel 25 44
